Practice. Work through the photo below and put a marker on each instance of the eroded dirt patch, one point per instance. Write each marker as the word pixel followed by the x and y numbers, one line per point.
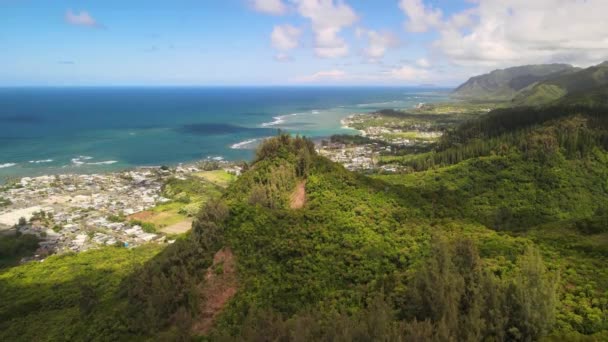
pixel 142 215
pixel 219 287
pixel 298 198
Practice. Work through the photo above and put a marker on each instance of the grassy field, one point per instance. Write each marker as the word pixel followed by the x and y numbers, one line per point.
pixel 458 108
pixel 411 135
pixel 187 197
pixel 217 177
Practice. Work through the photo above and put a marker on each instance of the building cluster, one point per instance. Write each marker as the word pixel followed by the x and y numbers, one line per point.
pixel 78 212
pixel 392 133
pixel 357 158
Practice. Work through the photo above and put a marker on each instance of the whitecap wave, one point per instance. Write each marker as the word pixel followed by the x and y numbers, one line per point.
pixel 277 121
pixel 242 145
pixel 41 161
pixel 5 165
pixel 107 162
pixel 80 160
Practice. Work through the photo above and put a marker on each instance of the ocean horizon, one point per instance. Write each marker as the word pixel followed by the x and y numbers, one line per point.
pixel 51 130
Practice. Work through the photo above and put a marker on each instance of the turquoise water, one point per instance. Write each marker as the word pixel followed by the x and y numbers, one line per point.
pixel 61 130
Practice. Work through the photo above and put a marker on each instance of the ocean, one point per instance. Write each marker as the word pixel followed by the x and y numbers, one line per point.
pixel 87 130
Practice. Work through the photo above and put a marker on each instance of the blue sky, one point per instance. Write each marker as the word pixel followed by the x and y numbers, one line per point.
pixel 288 42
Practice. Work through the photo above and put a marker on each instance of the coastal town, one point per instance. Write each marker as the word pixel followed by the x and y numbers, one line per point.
pixel 77 212
pixel 380 136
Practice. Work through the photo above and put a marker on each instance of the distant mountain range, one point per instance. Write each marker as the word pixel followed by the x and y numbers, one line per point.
pixel 535 84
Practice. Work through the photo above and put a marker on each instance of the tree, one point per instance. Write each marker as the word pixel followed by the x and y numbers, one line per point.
pixel 532 298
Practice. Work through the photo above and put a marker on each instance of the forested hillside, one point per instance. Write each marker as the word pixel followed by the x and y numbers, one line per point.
pixel 508 245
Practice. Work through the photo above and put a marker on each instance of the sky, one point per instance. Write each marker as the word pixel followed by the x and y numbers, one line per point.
pixel 290 42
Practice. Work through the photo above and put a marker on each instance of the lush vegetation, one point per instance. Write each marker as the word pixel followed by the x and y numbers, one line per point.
pixel 499 234
pixel 555 88
pixel 13 247
pixel 503 85
pixel 69 297
pixel 217 177
pixel 186 198
pixel 539 134
pixel 535 84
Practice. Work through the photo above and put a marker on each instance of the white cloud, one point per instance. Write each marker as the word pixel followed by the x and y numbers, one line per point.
pixel 283 57
pixel 328 18
pixel 498 33
pixel 285 37
pixel 333 75
pixel 421 17
pixel 397 75
pixel 408 73
pixel 82 18
pixel 378 43
pixel 423 63
pixel 274 7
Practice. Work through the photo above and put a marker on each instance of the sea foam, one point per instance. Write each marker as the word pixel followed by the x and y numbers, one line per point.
pixel 80 160
pixel 244 145
pixel 278 120
pixel 107 162
pixel 5 165
pixel 41 161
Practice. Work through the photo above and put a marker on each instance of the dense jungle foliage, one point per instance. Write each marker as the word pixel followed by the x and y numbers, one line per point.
pixel 508 245
pixel 539 134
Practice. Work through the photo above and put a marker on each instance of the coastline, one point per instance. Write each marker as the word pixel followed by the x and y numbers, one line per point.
pixel 345 123
pixel 111 142
pixel 73 171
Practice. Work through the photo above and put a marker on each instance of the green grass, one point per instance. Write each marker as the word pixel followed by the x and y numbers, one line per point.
pixel 411 135
pixel 458 108
pixel 217 177
pixel 167 214
pixel 187 197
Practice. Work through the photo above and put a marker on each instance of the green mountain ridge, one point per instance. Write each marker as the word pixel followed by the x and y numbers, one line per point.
pixel 554 88
pixel 533 85
pixel 504 84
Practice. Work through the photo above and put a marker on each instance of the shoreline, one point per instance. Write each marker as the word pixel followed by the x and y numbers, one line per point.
pixel 86 165
pixel 344 123
pixel 7 180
